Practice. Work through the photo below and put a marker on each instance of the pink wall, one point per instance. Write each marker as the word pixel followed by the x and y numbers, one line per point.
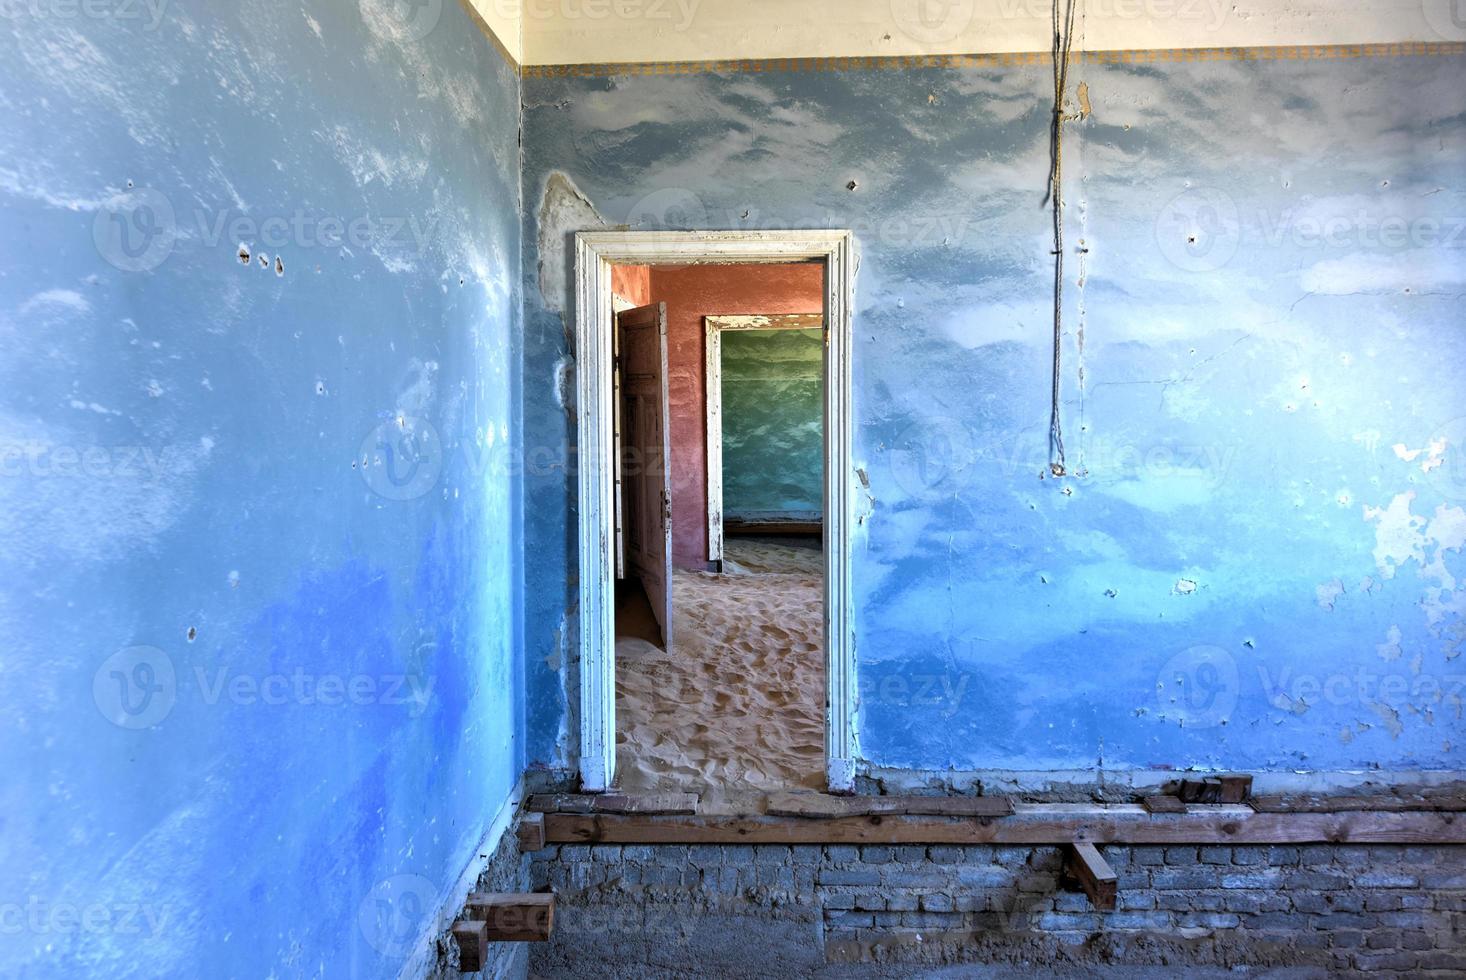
pixel 692 293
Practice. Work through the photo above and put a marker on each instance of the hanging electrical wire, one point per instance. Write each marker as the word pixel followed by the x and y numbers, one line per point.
pixel 1063 23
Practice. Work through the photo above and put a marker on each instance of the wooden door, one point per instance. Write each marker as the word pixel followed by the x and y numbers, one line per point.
pixel 646 446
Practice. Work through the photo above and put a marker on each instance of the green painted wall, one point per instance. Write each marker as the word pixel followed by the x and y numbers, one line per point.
pixel 773 432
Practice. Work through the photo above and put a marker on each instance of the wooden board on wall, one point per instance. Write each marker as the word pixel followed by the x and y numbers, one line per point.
pixel 1030 826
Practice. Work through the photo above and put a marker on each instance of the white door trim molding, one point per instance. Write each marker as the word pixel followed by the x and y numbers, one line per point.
pixel 595 254
pixel 713 381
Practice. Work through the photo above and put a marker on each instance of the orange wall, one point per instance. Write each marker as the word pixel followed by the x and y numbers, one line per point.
pixel 692 293
pixel 632 283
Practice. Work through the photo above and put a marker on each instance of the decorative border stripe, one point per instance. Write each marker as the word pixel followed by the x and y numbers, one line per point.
pixel 1022 59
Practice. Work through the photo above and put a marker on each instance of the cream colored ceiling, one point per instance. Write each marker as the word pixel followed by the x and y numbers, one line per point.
pixel 561 32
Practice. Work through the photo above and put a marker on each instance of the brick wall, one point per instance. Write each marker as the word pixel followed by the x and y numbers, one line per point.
pixel 508 871
pixel 1343 908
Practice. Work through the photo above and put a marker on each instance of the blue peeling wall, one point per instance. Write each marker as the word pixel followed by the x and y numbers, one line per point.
pixel 257 528
pixel 1254 561
pixel 773 424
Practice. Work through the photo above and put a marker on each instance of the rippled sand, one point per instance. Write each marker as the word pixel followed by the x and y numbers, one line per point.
pixel 737 708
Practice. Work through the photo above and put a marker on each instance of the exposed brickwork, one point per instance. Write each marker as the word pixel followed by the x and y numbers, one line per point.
pixel 1345 908
pixel 508 871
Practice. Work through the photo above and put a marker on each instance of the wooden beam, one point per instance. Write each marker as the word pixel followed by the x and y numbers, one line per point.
pixel 531 832
pixel 1164 804
pixel 667 804
pixel 1359 804
pixel 822 806
pixel 513 918
pixel 1086 865
pixel 733 526
pixel 1236 788
pixel 1200 790
pixel 473 945
pixel 1049 824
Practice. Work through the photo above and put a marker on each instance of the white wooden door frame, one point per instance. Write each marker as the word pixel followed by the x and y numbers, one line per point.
pixel 713 381
pixel 595 254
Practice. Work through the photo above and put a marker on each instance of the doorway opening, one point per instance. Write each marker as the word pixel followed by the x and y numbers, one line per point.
pixel 725 607
pixel 720 589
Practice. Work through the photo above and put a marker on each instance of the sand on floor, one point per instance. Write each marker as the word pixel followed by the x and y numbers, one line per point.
pixel 737 707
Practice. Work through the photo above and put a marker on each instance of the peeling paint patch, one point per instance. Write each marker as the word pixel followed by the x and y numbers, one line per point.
pixel 565 383
pixel 564 210
pixel 56 300
pixel 1329 594
pixel 1390 650
pixel 1435 454
pixel 1390 717
pixel 1398 538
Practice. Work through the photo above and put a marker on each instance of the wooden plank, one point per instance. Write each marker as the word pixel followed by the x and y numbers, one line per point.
pixel 1164 804
pixel 734 526
pixel 666 804
pixel 513 918
pixel 1087 866
pixel 1200 791
pixel 531 832
pixel 473 945
pixel 822 806
pixel 1236 788
pixel 1359 804
pixel 1055 824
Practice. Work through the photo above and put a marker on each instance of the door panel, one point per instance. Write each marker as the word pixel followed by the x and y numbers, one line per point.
pixel 646 451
